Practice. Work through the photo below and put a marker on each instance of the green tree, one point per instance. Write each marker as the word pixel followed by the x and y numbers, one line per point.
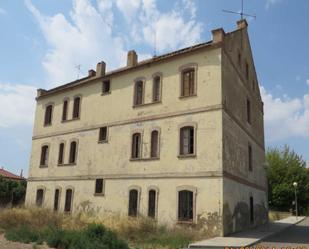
pixel 12 192
pixel 284 168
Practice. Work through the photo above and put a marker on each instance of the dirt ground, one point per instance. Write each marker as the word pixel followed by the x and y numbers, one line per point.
pixel 4 244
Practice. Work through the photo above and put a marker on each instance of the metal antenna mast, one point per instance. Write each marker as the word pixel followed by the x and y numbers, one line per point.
pixel 78 68
pixel 241 13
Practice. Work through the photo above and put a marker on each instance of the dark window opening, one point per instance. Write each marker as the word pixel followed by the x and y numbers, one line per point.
pixel 156 89
pixel 68 200
pixel 103 134
pixel 99 183
pixel 39 197
pixel 76 108
pixel 251 210
pixel 139 93
pixel 250 158
pixel 152 203
pixel 187 140
pixel 185 205
pixel 154 144
pixel 136 145
pixel 44 155
pixel 61 153
pixel 56 200
pixel 239 59
pixel 247 71
pixel 48 115
pixel 187 84
pixel 133 202
pixel 73 152
pixel 106 86
pixel 65 110
pixel 248 111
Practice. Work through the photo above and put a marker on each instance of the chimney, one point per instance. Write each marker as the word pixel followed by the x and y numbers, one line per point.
pixel 218 35
pixel 241 24
pixel 101 67
pixel 40 92
pixel 21 173
pixel 91 73
pixel 132 59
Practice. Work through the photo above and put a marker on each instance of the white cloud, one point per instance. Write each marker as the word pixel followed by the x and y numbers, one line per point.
pixel 285 117
pixel 17 104
pixel 270 3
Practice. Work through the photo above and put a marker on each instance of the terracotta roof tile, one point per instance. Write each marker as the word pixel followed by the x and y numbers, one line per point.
pixel 8 174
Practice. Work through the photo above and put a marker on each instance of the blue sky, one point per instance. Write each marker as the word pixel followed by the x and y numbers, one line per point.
pixel 43 41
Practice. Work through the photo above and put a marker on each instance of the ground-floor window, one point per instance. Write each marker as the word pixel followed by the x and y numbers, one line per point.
pixel 68 200
pixel 56 200
pixel 133 202
pixel 251 210
pixel 185 205
pixel 39 197
pixel 152 203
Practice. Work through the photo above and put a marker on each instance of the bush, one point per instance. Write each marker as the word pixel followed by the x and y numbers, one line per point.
pixel 24 234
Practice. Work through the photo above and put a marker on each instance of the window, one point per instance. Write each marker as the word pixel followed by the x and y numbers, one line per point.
pixel 61 153
pixel 68 200
pixel 99 186
pixel 56 200
pixel 156 94
pixel 253 86
pixel 139 93
pixel 154 144
pixel 187 82
pixel 251 210
pixel 239 59
pixel 136 145
pixel 247 70
pixel 106 87
pixel 248 111
pixel 44 155
pixel 185 205
pixel 133 202
pixel 48 115
pixel 39 197
pixel 73 152
pixel 152 197
pixel 250 163
pixel 187 140
pixel 103 134
pixel 76 108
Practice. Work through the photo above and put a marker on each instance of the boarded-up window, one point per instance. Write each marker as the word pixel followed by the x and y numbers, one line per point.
pixel 133 202
pixel 76 107
pixel 187 140
pixel 65 110
pixel 44 156
pixel 136 145
pixel 250 158
pixel 48 115
pixel 103 134
pixel 39 197
pixel 61 153
pixel 56 200
pixel 152 203
pixel 185 205
pixel 156 95
pixel 106 86
pixel 247 71
pixel 139 93
pixel 68 200
pixel 99 184
pixel 188 81
pixel 251 210
pixel 154 144
pixel 73 152
pixel 248 111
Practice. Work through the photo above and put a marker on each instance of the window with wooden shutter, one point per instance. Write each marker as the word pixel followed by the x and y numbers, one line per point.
pixel 48 115
pixel 185 205
pixel 133 202
pixel 188 82
pixel 65 110
pixel 156 96
pixel 61 153
pixel 44 155
pixel 103 134
pixel 76 108
pixel 99 186
pixel 187 140
pixel 39 197
pixel 152 198
pixel 139 93
pixel 68 200
pixel 56 200
pixel 136 145
pixel 73 152
pixel 154 144
pixel 106 87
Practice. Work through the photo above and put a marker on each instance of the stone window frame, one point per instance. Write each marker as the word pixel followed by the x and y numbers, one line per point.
pixel 52 104
pixel 181 70
pixel 107 134
pixel 153 187
pixel 76 153
pixel 80 107
pixel 59 199
pixel 139 193
pixel 64 154
pixel 141 131
pixel 193 189
pixel 143 80
pixel 110 86
pixel 158 129
pixel 182 125
pixel 40 187
pixel 103 187
pixel 157 74
pixel 72 199
pixel 48 153
pixel 67 113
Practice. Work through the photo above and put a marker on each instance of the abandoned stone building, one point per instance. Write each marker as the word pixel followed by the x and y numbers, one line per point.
pixel 178 138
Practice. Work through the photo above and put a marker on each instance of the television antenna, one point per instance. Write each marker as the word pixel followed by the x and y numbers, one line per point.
pixel 78 68
pixel 241 13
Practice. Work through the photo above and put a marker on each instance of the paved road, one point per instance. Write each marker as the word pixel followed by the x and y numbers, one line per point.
pixel 294 236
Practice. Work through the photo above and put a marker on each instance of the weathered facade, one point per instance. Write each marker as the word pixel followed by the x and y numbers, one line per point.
pixel 178 138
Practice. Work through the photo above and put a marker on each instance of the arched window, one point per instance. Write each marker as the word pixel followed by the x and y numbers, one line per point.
pixel 188 82
pixel 139 93
pixel 154 144
pixel 136 145
pixel 65 110
pixel 133 202
pixel 68 200
pixel 44 156
pixel 152 199
pixel 56 199
pixel 185 205
pixel 251 210
pixel 61 153
pixel 39 197
pixel 156 94
pixel 187 140
pixel 48 115
pixel 73 152
pixel 76 108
